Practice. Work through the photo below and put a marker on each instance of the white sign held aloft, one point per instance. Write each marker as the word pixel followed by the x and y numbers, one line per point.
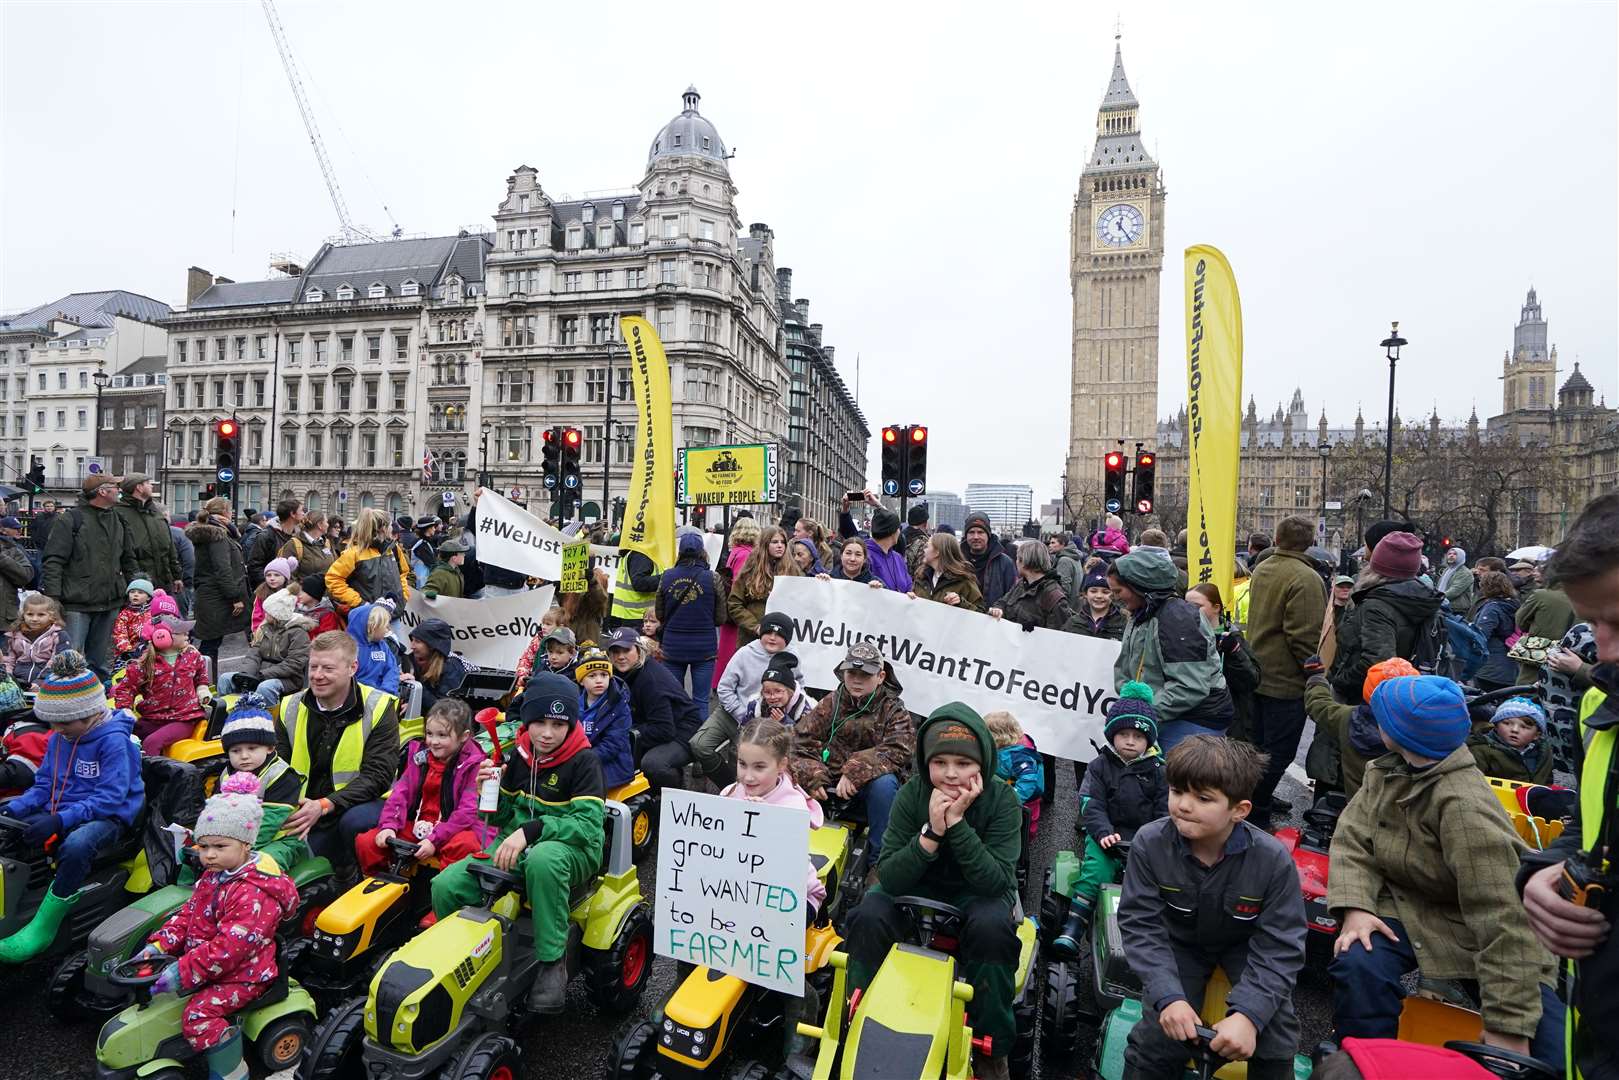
pixel 1057 685
pixel 731 887
pixel 512 538
pixel 491 633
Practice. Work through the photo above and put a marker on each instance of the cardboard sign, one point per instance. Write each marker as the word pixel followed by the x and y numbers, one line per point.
pixel 1057 685
pixel 739 475
pixel 575 568
pixel 731 887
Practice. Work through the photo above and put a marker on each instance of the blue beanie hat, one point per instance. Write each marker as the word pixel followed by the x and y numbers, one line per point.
pixel 1424 714
pixel 1132 710
pixel 1096 579
pixel 1524 707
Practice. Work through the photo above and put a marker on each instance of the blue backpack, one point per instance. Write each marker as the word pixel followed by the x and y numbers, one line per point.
pixel 1467 645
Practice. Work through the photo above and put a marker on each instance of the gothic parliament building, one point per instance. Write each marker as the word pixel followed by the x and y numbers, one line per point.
pixel 1116 267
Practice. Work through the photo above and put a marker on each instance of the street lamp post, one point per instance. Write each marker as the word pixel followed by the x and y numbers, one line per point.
pixel 1325 450
pixel 1391 346
pixel 483 456
pixel 101 379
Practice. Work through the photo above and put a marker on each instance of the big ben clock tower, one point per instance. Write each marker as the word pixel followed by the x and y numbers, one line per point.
pixel 1116 258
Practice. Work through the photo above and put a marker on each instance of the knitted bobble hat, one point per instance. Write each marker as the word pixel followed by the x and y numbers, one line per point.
pixel 1132 711
pixel 1522 707
pixel 249 723
pixel 236 812
pixel 591 661
pixel 70 691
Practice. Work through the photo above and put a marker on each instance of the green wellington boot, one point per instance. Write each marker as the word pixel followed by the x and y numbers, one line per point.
pixel 225 1060
pixel 37 936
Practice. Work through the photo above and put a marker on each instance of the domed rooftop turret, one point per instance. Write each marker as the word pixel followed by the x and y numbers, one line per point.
pixel 688 133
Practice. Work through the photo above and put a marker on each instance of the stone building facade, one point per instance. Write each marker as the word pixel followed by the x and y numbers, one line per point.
pixel 672 250
pixel 827 434
pixel 132 431
pixel 1116 263
pixel 320 367
pixel 52 359
pixel 1549 455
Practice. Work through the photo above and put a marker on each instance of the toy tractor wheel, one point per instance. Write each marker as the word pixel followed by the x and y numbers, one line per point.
pixel 1026 1014
pixel 746 1069
pixel 65 998
pixel 632 1056
pixel 491 1056
pixel 615 977
pixel 1053 910
pixel 1060 1012
pixel 281 1044
pixel 334 1050
pixel 643 828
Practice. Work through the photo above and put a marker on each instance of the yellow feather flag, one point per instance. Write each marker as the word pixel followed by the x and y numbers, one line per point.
pixel 649 511
pixel 1213 416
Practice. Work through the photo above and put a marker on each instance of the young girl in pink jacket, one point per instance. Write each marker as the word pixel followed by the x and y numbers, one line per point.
pixel 435 802
pixel 763 751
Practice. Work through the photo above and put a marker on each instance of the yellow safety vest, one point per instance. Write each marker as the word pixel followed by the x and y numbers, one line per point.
pixel 629 606
pixel 350 745
pixel 1600 747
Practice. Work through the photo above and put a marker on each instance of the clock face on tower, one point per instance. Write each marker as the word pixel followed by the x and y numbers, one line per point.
pixel 1119 225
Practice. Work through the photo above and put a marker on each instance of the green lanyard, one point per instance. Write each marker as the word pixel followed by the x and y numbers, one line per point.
pixel 837 722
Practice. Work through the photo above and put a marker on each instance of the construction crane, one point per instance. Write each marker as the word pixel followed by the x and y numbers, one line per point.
pixel 351 231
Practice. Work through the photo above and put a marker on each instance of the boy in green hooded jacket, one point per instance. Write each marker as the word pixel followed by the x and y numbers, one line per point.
pixel 953 836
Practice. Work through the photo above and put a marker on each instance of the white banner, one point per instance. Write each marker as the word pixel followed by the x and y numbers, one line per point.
pixel 491 633
pixel 731 887
pixel 514 539
pixel 1057 685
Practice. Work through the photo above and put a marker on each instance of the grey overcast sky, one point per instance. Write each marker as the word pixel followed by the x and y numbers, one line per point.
pixel 1357 163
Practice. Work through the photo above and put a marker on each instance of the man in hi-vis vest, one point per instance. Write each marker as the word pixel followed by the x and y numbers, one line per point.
pixel 1571 889
pixel 344 739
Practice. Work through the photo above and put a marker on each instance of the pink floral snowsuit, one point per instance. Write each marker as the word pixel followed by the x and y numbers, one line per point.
pixel 225 938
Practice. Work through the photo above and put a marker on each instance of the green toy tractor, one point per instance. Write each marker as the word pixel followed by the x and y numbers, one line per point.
pixel 144 1039
pixel 443 1003
pixel 912 1021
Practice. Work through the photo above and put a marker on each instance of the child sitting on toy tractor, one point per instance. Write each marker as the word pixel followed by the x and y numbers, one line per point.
pixel 550 824
pixel 1423 858
pixel 1203 888
pixel 1124 788
pixel 85 797
pixel 249 738
pixel 858 741
pixel 956 837
pixel 225 934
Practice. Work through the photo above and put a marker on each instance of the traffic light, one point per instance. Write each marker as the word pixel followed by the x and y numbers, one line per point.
pixel 893 460
pixel 1146 465
pixel 36 475
pixel 572 485
pixel 699 515
pixel 207 492
pixel 226 433
pixel 916 461
pixel 1113 481
pixel 551 455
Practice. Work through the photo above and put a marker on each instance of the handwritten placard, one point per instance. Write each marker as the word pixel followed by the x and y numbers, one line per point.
pixel 576 567
pixel 731 887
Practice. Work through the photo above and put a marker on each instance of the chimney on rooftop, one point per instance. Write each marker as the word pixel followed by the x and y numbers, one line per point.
pixel 198 281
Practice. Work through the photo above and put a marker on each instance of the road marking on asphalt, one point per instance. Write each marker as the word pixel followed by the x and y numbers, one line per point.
pixel 1296 771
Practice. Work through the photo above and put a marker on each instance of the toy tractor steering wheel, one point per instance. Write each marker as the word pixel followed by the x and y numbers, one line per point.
pixel 1208 1062
pixel 403 850
pixel 1506 1063
pixel 490 878
pixel 929 916
pixel 139 972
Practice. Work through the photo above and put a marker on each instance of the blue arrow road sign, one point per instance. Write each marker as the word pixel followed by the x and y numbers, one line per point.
pixel 226 475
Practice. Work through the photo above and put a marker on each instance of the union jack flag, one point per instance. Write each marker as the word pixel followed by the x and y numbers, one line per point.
pixel 427 466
